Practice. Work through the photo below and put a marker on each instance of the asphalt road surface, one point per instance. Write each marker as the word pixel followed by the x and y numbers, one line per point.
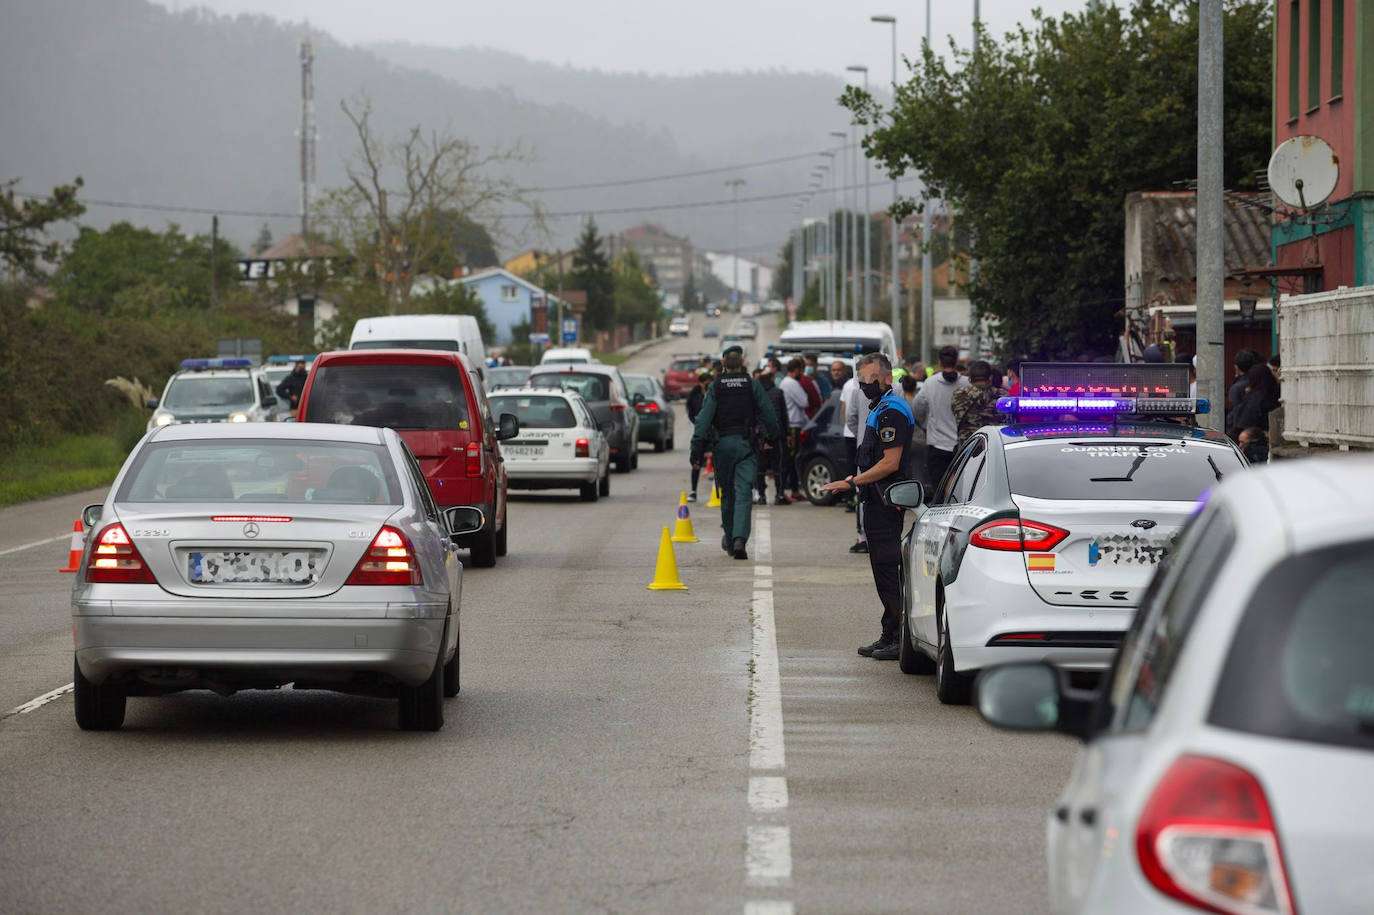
pixel 613 749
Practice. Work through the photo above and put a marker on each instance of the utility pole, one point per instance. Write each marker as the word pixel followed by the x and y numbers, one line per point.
pixel 842 223
pixel 868 221
pixel 1211 268
pixel 927 268
pixel 214 261
pixel 896 226
pixel 975 337
pixel 853 226
pixel 307 136
pixel 735 184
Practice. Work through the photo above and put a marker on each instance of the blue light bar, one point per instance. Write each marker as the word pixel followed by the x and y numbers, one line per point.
pixel 235 363
pixel 1098 406
pixel 284 359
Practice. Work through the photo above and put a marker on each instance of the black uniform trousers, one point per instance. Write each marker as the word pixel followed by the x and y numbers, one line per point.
pixel 883 526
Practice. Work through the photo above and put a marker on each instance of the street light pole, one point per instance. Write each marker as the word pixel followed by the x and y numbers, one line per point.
pixel 896 288
pixel 827 289
pixel 735 184
pixel 927 270
pixel 868 222
pixel 842 221
pixel 1211 211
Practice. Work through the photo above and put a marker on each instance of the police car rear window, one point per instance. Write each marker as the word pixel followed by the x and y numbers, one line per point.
pixel 1168 471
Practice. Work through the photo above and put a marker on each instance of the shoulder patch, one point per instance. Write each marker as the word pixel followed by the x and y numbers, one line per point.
pixel 887 434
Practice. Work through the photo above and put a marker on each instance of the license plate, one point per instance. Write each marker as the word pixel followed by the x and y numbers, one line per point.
pixel 223 567
pixel 523 450
pixel 1127 551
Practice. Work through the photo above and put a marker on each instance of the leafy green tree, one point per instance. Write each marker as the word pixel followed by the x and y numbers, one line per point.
pixel 23 244
pixel 592 274
pixel 1034 143
pixel 129 268
pixel 782 276
pixel 469 244
pixel 636 298
pixel 689 293
pixel 264 239
pixel 453 299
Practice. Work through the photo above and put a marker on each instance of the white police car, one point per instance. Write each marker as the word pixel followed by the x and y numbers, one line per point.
pixel 1041 538
pixel 215 391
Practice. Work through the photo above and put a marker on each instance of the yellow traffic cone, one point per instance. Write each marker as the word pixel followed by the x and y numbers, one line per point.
pixel 715 498
pixel 665 572
pixel 682 530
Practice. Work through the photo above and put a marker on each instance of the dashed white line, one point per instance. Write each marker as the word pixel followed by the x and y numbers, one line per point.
pixel 39 702
pixel 767 793
pixel 768 907
pixel 765 712
pixel 29 546
pixel 768 862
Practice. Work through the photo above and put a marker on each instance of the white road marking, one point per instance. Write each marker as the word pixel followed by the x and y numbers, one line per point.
pixel 761 571
pixel 767 793
pixel 29 546
pixel 763 552
pixel 768 860
pixel 769 907
pixel 34 704
pixel 763 583
pixel 765 712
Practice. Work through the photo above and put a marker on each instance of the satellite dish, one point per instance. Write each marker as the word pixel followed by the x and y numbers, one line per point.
pixel 1303 171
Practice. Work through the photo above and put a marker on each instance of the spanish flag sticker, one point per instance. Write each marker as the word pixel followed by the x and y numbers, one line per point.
pixel 1040 562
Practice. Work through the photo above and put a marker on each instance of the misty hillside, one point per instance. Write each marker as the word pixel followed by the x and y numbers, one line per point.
pixel 198 110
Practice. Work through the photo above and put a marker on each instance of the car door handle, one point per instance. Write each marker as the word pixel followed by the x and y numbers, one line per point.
pixel 1088 816
pixel 1062 813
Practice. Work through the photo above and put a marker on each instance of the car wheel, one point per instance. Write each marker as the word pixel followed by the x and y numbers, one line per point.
pixel 422 707
pixel 484 549
pixel 622 464
pixel 672 443
pixel 451 678
pixel 951 687
pixel 98 708
pixel 816 474
pixel 604 487
pixel 590 491
pixel 661 445
pixel 634 459
pixel 501 537
pixel 911 659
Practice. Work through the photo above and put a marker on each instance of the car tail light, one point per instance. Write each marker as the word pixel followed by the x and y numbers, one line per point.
pixel 648 407
pixel 474 459
pixel 617 406
pixel 390 560
pixel 584 448
pixel 1012 535
pixel 114 558
pixel 1207 838
pixel 805 434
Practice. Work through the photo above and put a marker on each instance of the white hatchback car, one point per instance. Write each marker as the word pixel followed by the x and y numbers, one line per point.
pixel 1228 763
pixel 560 444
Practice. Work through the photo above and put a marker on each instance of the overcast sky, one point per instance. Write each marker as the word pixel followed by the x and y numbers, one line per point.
pixel 656 36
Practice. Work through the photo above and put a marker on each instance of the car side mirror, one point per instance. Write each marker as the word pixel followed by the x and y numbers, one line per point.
pixel 906 494
pixel 90 515
pixel 463 519
pixel 508 426
pixel 1034 696
pixel 150 403
pixel 269 401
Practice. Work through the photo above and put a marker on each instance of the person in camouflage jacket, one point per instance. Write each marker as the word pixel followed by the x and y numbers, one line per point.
pixel 975 405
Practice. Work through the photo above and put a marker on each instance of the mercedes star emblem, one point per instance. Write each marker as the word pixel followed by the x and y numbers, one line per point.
pixel 251 529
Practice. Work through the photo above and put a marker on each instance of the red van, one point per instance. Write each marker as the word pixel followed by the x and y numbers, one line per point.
pixel 436 402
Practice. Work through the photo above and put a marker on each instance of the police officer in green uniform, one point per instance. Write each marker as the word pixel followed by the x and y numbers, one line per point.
pixel 880 457
pixel 734 406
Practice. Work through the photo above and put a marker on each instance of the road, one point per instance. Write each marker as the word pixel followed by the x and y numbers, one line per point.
pixel 614 749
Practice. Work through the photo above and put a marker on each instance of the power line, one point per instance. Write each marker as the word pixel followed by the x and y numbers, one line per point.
pixel 674 177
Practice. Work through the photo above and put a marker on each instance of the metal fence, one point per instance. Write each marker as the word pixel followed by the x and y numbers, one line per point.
pixel 1327 345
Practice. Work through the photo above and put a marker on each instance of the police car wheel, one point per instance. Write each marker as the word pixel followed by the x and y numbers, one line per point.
pixel 816 474
pixel 910 659
pixel 951 687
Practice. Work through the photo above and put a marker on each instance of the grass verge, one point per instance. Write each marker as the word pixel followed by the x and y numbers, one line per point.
pixel 66 464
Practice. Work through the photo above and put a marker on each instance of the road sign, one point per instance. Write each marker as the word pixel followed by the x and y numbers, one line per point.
pixel 541 339
pixel 569 330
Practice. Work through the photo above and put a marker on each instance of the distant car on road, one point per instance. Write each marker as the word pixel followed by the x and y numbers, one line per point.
pixel 229 390
pixel 253 555
pixel 565 354
pixel 747 329
pixel 710 330
pixel 1227 755
pixel 604 390
pixel 560 445
pixel 656 415
pixel 680 327
pixel 450 333
pixel 506 376
pixel 681 375
pixel 748 310
pixel 713 311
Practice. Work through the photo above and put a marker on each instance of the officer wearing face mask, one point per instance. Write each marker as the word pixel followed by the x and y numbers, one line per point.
pixel 881 460
pixel 934 408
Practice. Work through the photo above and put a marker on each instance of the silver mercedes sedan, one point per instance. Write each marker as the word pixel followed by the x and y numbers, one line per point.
pixel 255 555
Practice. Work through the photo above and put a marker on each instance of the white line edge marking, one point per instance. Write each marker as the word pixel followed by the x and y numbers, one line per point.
pixel 767 793
pixel 768 861
pixel 35 704
pixel 769 907
pixel 765 712
pixel 29 546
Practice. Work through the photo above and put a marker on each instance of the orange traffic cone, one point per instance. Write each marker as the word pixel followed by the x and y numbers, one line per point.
pixel 665 572
pixel 78 542
pixel 682 530
pixel 710 468
pixel 715 498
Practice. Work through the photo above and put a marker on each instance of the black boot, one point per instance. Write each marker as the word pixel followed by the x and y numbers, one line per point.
pixel 887 651
pixel 867 650
pixel 737 549
pixel 725 542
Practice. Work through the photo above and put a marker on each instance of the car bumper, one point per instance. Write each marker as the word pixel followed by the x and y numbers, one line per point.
pixel 992 598
pixel 650 428
pixel 530 474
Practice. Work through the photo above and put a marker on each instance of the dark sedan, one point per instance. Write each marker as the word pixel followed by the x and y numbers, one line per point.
pixel 603 388
pixel 656 415
pixel 823 457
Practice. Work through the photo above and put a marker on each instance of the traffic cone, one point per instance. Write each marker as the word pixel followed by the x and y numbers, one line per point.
pixel 710 468
pixel 682 530
pixel 665 572
pixel 78 542
pixel 715 498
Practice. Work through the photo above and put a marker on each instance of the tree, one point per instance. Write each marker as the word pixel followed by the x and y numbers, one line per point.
pixel 408 203
pixel 1034 144
pixel 23 244
pixel 129 268
pixel 636 298
pixel 453 299
pixel 467 244
pixel 592 274
pixel 264 240
pixel 689 293
pixel 782 276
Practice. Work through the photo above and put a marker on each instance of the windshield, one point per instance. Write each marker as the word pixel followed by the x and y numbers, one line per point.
pixel 200 392
pixel 640 384
pixel 591 387
pixel 394 396
pixel 242 470
pixel 536 411
pixel 510 376
pixel 450 346
pixel 686 365
pixel 1164 471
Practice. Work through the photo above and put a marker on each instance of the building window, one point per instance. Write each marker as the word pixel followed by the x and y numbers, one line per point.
pixel 510 293
pixel 1337 47
pixel 1294 56
pixel 1314 53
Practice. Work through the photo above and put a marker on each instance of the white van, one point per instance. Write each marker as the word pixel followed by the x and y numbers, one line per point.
pixel 578 354
pixel 855 337
pixel 452 333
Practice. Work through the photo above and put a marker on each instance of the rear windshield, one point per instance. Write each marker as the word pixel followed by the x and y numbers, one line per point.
pixel 1301 666
pixel 450 346
pixel 535 411
pixel 686 365
pixel 591 387
pixel 512 376
pixel 1166 471
pixel 203 392
pixel 643 386
pixel 249 470
pixel 394 396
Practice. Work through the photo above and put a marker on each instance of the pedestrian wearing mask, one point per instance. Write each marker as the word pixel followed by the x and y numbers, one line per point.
pixel 813 371
pixel 934 408
pixel 784 471
pixel 734 404
pixel 882 462
pixel 795 396
pixel 695 398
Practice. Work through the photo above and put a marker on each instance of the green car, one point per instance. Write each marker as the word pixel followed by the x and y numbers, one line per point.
pixel 656 415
